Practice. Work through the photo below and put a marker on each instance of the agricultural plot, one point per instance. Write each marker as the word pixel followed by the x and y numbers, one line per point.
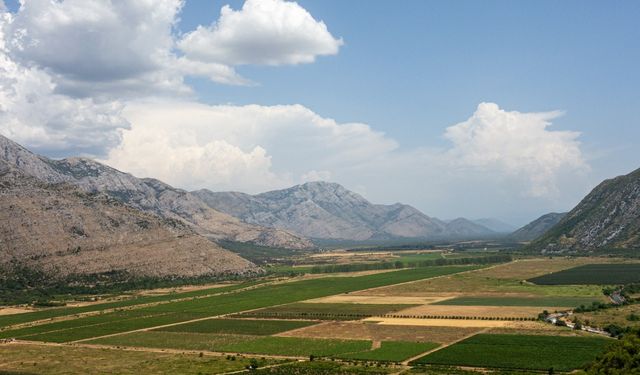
pixel 392 351
pixel 501 279
pixel 593 274
pixel 383 332
pixel 295 346
pixel 259 297
pixel 542 301
pixel 173 340
pixel 58 360
pixel 519 352
pixel 7 320
pixel 327 311
pixel 324 368
pixel 472 312
pixel 260 327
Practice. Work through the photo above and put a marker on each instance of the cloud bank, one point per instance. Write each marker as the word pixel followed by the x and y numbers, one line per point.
pixel 108 80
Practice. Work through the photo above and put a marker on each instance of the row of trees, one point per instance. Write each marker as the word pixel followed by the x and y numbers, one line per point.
pixel 354 267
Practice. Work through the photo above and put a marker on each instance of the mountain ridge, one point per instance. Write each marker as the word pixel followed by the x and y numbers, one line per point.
pixel 327 210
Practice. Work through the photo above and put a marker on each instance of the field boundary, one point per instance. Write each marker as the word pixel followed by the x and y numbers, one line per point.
pixel 407 362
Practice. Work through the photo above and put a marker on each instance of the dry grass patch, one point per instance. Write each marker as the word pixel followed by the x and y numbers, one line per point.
pixel 382 332
pixel 475 311
pixel 378 300
pixel 461 323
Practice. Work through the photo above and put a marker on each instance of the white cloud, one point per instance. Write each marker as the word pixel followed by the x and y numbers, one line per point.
pixel 33 114
pixel 271 32
pixel 251 148
pixel 518 144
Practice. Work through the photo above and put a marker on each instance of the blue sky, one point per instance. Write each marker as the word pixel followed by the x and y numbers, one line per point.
pixel 410 70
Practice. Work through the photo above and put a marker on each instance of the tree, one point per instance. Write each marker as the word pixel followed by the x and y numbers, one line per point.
pixel 621 358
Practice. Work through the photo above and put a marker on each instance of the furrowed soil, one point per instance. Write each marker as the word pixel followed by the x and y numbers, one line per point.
pixel 382 332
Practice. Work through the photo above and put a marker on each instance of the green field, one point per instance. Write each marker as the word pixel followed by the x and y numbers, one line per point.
pixel 392 351
pixel 592 274
pixel 295 346
pixel 7 320
pixel 259 297
pixel 324 368
pixel 330 311
pixel 239 326
pixel 542 301
pixel 562 353
pixel 174 340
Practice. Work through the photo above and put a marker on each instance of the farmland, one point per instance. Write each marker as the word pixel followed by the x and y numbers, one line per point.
pixel 239 326
pixel 463 315
pixel 599 274
pixel 328 311
pixel 545 301
pixel 519 352
pixel 392 351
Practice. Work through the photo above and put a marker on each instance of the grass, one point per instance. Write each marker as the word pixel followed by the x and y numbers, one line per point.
pixel 7 320
pixel 239 326
pixel 562 353
pixel 330 311
pixel 392 351
pixel 174 340
pixel 264 296
pixel 296 346
pixel 592 274
pixel 58 360
pixel 544 301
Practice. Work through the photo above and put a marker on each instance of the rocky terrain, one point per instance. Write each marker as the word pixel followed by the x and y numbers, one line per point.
pixel 538 227
pixel 63 231
pixel 325 210
pixel 149 195
pixel 607 218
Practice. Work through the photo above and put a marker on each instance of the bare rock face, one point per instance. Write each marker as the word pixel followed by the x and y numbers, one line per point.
pixel 538 227
pixel 607 218
pixel 64 231
pixel 147 194
pixel 329 211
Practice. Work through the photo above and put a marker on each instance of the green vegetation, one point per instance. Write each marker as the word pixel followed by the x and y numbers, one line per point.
pixel 561 353
pixel 174 340
pixel 415 263
pixel 542 301
pixel 261 254
pixel 392 351
pixel 598 274
pixel 259 297
pixel 330 311
pixel 7 320
pixel 620 358
pixel 323 368
pixel 238 326
pixel 23 285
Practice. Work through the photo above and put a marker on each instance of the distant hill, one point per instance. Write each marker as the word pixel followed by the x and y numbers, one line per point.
pixel 538 227
pixel 61 232
pixel 145 194
pixel 324 210
pixel 495 225
pixel 607 218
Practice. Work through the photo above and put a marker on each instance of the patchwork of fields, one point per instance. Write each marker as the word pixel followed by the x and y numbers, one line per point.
pixel 476 316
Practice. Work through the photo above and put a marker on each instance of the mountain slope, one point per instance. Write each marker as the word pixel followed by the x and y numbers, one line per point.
pixel 145 194
pixel 325 210
pixel 538 227
pixel 608 217
pixel 495 225
pixel 63 231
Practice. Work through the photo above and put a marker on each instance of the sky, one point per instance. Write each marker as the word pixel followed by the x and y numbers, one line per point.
pixel 495 109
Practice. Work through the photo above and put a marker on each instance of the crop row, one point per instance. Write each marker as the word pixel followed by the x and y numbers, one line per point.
pixel 597 274
pixel 341 316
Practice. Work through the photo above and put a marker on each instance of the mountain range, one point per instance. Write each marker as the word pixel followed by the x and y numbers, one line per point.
pixel 538 227
pixel 607 218
pixel 323 210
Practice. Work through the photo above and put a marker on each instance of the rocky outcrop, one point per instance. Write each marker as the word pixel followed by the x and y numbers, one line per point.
pixel 538 227
pixel 325 210
pixel 607 218
pixel 63 231
pixel 149 195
